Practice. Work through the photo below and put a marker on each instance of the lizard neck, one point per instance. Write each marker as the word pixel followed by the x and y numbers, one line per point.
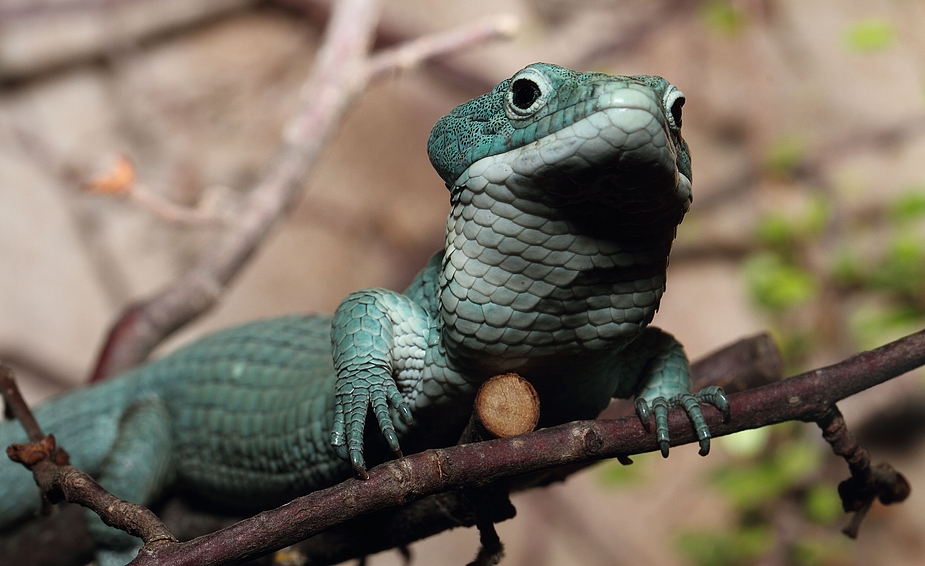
pixel 529 274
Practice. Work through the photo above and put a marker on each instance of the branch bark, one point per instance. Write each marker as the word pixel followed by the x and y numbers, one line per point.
pixel 753 360
pixel 810 397
pixel 330 87
pixel 561 450
pixel 59 481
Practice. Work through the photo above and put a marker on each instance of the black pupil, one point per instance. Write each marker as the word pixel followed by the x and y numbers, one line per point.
pixel 525 93
pixel 676 111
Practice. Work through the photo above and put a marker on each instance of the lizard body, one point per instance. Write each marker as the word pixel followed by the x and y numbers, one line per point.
pixel 565 193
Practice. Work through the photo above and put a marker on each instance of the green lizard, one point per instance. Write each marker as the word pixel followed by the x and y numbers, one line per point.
pixel 566 190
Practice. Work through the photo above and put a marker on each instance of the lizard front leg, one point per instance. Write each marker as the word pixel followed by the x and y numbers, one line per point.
pixel 379 342
pixel 663 380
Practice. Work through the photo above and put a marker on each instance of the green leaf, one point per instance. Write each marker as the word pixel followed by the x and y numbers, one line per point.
pixel 822 504
pixel 815 217
pixel 796 460
pixel 909 207
pixel 722 17
pixel 902 270
pixel 613 474
pixel 747 443
pixel 872 326
pixel 825 551
pixel 777 231
pixel 847 268
pixel 783 232
pixel 751 485
pixel 776 285
pixel 784 154
pixel 874 34
pixel 705 548
pixel 795 343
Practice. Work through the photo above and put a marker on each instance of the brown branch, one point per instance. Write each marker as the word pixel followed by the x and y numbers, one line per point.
pixel 745 364
pixel 63 539
pixel 746 360
pixel 120 182
pixel 806 397
pixel 173 213
pixel 16 405
pixel 411 53
pixel 59 481
pixel 331 86
pixel 339 75
pixel 867 482
pixel 752 361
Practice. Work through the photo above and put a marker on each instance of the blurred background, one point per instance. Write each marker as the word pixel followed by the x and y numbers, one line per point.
pixel 806 121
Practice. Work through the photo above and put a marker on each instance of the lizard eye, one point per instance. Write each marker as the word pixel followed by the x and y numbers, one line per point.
pixel 674 100
pixel 528 93
pixel 524 93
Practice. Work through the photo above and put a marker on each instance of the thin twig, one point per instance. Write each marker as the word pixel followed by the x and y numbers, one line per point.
pixel 333 84
pixel 59 481
pixel 121 181
pixel 410 54
pixel 17 406
pixel 171 212
pixel 867 482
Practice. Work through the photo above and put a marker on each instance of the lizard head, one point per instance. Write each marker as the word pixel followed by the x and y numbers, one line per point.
pixel 590 143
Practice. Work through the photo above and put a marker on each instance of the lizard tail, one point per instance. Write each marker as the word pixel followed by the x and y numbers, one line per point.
pixel 83 424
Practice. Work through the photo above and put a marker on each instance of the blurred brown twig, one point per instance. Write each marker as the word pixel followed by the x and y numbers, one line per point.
pixel 340 74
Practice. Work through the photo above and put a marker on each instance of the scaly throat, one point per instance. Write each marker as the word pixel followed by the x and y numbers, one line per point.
pixel 527 275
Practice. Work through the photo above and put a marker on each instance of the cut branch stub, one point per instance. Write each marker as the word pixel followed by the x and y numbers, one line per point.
pixel 507 405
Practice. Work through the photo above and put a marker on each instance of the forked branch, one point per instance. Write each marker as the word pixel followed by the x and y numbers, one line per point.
pixel 59 481
pixel 341 72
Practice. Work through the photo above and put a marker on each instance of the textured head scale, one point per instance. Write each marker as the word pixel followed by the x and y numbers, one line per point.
pixel 502 120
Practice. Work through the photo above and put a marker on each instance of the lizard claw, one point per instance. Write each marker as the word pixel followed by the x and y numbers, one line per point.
pixel 642 411
pixel 715 396
pixel 660 407
pixel 359 466
pixel 690 402
pixel 355 397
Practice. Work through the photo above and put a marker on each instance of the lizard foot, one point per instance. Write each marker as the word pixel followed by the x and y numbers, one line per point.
pixel 354 397
pixel 691 403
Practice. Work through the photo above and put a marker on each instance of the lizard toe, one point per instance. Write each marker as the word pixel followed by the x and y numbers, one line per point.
pixel 642 411
pixel 660 407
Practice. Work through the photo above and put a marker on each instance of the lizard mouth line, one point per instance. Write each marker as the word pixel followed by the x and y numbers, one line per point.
pixel 618 159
